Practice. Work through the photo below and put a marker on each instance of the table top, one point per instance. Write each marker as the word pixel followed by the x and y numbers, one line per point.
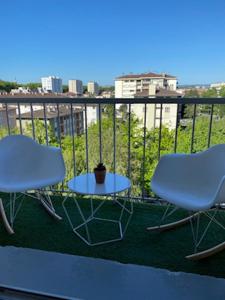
pixel 86 184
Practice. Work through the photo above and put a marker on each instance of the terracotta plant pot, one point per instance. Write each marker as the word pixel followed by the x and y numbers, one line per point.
pixel 100 172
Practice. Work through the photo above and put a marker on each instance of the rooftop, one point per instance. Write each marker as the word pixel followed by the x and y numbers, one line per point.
pixel 146 75
pixel 37 95
pixel 50 113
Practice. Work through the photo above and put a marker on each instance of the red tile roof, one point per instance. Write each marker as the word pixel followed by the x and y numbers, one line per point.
pixel 145 75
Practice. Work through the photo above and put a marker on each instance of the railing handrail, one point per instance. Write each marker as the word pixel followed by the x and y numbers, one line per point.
pixel 68 100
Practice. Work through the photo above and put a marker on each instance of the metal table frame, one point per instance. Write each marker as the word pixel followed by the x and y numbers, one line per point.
pixel 92 216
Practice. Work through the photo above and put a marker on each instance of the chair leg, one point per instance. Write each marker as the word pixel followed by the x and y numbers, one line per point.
pixel 207 253
pixel 46 202
pixel 8 227
pixel 210 251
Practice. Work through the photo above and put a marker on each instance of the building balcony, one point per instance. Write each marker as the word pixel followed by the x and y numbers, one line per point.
pixel 129 136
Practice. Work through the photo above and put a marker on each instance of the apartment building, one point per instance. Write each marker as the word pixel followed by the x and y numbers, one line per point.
pixel 150 85
pixel 61 121
pixel 8 117
pixel 51 84
pixel 217 86
pixel 93 88
pixel 169 111
pixel 23 112
pixel 76 87
pixel 127 86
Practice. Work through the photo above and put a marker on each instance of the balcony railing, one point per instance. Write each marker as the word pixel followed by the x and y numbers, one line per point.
pixel 127 145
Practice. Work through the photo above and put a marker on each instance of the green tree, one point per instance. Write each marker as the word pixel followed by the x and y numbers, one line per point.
pixel 193 93
pixel 33 85
pixel 210 93
pixel 40 132
pixel 7 86
pixel 222 92
pixel 75 147
pixel 65 88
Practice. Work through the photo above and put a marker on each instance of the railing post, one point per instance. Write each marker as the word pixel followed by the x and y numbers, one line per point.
pixel 46 125
pixel 114 138
pixel 193 129
pixel 19 113
pixel 72 134
pixel 100 132
pixel 32 120
pixel 7 118
pixel 210 125
pixel 160 131
pixel 86 136
pixel 144 148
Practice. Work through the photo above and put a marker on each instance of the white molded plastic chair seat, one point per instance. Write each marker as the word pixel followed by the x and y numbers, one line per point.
pixel 192 181
pixel 195 182
pixel 27 165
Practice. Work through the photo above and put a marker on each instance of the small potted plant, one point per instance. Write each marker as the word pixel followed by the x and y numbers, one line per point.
pixel 100 172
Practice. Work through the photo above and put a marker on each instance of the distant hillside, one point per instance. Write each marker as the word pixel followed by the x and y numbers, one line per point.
pixel 192 86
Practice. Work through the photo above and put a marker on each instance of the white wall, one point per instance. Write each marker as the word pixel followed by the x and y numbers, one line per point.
pixel 118 89
pixel 76 86
pixel 169 116
pixel 52 84
pixel 172 84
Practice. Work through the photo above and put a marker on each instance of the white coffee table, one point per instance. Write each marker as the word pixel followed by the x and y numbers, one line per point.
pixel 86 185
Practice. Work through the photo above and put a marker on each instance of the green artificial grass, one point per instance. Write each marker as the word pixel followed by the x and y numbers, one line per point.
pixel 34 228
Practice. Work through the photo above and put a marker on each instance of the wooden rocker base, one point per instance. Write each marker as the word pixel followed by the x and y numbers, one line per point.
pixel 173 224
pixel 195 256
pixel 50 211
pixel 4 219
pixel 207 253
pixel 6 223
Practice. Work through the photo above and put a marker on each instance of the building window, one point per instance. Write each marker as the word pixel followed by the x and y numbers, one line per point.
pixel 167 109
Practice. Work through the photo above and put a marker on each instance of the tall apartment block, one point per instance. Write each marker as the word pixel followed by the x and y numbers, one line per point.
pixel 76 87
pixel 51 84
pixel 93 88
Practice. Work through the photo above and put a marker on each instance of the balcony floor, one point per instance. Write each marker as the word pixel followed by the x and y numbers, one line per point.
pixel 35 229
pixel 77 277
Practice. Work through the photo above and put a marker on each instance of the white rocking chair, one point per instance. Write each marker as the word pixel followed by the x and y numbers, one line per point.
pixel 195 182
pixel 26 166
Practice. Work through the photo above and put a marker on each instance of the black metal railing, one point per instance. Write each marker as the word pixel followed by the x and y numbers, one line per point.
pixel 79 127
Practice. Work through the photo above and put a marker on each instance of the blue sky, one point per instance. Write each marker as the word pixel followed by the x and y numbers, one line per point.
pixel 99 40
